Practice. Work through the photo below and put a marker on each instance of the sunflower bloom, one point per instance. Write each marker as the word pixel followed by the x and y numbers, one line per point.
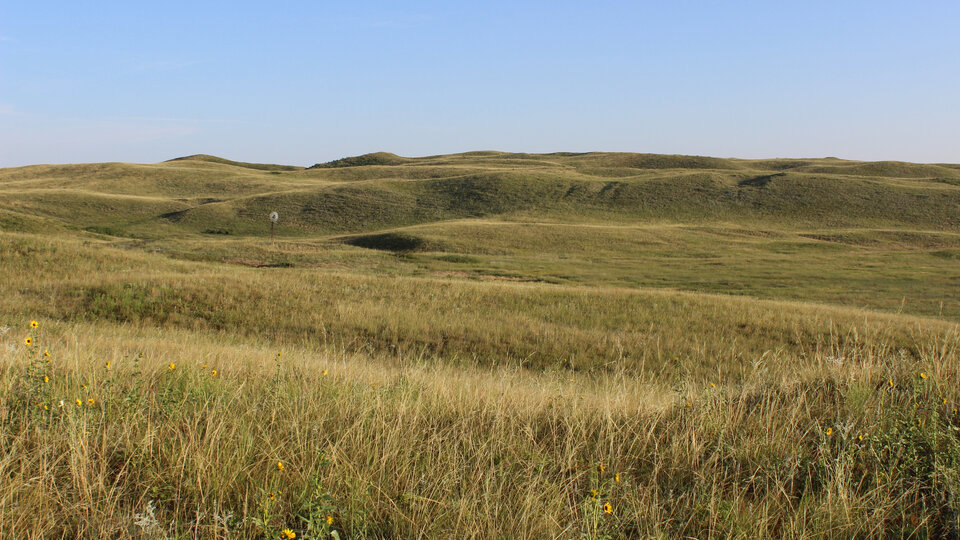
pixel 280 466
pixel 213 372
pixel 172 366
pixel 109 363
pixel 28 341
pixel 324 373
pixel 829 431
pixel 46 353
pixel 46 379
pixel 34 324
pixel 923 374
pixel 79 403
pixel 616 477
pixel 91 401
pixel 287 533
pixel 329 520
pixel 607 509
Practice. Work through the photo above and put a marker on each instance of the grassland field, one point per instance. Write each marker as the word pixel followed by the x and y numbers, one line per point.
pixel 482 345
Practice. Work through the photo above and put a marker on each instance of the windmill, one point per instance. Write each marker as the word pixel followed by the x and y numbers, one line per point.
pixel 274 217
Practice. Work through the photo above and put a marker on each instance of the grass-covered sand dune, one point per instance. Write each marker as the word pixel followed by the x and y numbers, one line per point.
pixel 483 345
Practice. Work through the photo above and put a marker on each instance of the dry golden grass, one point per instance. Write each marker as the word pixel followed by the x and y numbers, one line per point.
pixel 662 335
pixel 406 447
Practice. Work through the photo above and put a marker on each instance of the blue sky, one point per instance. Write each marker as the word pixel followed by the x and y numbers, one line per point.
pixel 304 82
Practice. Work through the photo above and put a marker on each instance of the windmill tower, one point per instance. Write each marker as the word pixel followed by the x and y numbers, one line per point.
pixel 274 217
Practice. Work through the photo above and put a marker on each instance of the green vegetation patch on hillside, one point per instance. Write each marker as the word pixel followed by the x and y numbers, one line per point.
pixel 376 158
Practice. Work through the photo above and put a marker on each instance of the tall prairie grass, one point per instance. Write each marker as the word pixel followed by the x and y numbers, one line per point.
pixel 386 447
pixel 666 335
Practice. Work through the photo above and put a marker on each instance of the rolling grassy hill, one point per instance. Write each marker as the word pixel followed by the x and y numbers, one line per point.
pixel 374 192
pixel 485 344
pixel 882 235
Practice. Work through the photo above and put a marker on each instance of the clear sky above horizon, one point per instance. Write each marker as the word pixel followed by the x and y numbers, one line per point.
pixel 302 82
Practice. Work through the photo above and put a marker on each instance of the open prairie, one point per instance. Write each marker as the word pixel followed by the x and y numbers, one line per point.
pixel 482 345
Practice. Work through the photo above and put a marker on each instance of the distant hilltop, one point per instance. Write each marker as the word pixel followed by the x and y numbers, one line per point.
pixel 825 165
pixel 204 194
pixel 214 159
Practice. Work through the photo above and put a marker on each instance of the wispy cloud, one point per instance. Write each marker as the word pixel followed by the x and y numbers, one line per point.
pixel 7 109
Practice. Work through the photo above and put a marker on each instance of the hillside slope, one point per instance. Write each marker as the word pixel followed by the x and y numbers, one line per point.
pixel 377 191
pixel 882 235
